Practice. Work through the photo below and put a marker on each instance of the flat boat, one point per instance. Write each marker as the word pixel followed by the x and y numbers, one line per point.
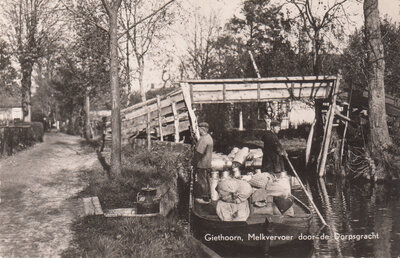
pixel 262 230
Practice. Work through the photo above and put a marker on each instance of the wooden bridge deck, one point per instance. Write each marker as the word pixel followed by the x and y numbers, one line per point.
pixel 172 113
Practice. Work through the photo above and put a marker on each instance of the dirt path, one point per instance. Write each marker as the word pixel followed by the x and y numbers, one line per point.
pixel 36 191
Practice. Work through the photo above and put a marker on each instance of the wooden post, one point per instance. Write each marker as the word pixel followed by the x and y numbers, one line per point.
pixel 324 137
pixel 240 120
pixel 176 121
pixel 309 142
pixel 148 129
pixel 327 141
pixel 345 126
pixel 188 101
pixel 159 117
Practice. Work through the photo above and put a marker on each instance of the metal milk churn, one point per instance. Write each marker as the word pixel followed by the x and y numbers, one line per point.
pixel 236 172
pixel 146 202
pixel 225 175
pixel 213 184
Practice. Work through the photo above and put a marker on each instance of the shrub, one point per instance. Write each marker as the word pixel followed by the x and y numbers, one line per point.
pixel 14 139
pixel 140 168
pixel 37 131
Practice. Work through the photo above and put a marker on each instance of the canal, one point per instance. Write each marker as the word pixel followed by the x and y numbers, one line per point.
pixel 362 222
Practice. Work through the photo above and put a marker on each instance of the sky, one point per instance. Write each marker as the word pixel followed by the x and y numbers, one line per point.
pixel 226 9
pixel 390 8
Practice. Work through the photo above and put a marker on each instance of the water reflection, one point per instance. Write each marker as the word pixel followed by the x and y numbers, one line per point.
pixel 355 212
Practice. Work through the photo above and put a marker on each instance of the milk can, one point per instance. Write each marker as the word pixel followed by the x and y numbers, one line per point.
pixel 146 202
pixel 213 184
pixel 236 173
pixel 225 175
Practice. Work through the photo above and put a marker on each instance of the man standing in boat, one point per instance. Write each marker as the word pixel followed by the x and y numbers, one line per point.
pixel 202 163
pixel 273 151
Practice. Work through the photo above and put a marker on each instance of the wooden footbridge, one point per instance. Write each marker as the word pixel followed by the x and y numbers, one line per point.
pixel 171 114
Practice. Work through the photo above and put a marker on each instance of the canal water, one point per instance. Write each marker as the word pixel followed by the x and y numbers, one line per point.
pixel 363 221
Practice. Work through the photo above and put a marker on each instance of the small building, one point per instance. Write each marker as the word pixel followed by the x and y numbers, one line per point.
pixel 10 108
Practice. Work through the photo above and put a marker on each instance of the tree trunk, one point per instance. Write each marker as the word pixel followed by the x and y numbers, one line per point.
pixel 115 92
pixel 141 73
pixel 143 97
pixel 379 133
pixel 87 115
pixel 26 84
pixel 316 57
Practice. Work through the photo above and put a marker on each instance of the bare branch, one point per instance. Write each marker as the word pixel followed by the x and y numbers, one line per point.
pixel 145 18
pixel 106 6
pixel 329 10
pixel 86 17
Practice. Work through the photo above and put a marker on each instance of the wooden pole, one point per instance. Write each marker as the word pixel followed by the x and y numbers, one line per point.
pixel 306 192
pixel 188 101
pixel 159 117
pixel 345 118
pixel 330 213
pixel 176 121
pixel 345 126
pixel 328 114
pixel 344 139
pixel 148 128
pixel 329 128
pixel 309 142
pixel 240 120
pixel 254 64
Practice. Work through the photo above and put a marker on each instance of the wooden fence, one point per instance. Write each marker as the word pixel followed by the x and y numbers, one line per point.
pixel 163 116
pixel 260 89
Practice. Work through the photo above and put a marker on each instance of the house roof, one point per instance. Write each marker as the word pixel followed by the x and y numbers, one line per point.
pixel 9 101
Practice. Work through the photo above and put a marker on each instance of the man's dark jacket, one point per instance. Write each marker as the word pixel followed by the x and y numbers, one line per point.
pixel 272 160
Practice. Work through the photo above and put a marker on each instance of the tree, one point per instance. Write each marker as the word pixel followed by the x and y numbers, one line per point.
pixel 391 40
pixel 353 61
pixel 67 95
pixel 199 61
pixel 264 30
pixel 379 133
pixel 43 102
pixel 91 54
pixel 145 35
pixel 8 74
pixel 35 29
pixel 354 58
pixel 232 58
pixel 112 12
pixel 111 16
pixel 319 20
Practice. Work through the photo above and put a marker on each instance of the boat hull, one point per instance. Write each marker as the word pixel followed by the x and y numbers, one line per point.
pixel 272 233
pixel 257 230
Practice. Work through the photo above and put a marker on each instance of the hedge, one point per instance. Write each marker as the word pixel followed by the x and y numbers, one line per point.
pixel 16 138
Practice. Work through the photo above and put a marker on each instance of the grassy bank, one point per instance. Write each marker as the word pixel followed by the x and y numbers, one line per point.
pixel 96 236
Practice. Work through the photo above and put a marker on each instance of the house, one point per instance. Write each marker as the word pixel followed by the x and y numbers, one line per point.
pixel 10 108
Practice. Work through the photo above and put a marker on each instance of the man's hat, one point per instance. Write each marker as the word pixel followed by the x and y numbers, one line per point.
pixel 275 123
pixel 204 124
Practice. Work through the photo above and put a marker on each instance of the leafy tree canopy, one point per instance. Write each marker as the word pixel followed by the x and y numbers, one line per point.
pixel 8 74
pixel 353 59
